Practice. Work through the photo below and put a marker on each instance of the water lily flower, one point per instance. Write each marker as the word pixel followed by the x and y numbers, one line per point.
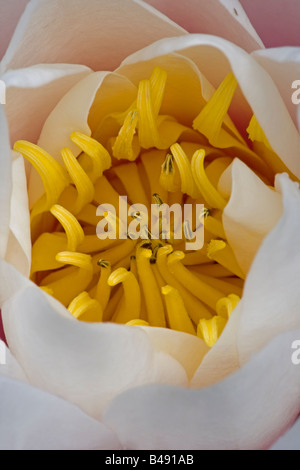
pixel 139 343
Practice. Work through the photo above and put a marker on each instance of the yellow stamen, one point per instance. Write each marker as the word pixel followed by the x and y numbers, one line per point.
pixel 170 177
pixel 84 186
pixel 132 303
pixel 71 285
pixel 220 252
pixel 53 175
pixel 73 229
pixel 100 157
pixel 137 323
pixel 148 131
pixel 210 120
pixel 153 300
pixel 178 317
pixel 188 185
pixel 226 305
pixel 211 330
pixel 103 289
pixel 209 192
pixel 123 147
pixel 204 292
pixel 158 82
pixel 194 307
pixel 86 309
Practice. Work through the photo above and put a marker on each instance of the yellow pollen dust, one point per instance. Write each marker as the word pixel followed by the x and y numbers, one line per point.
pixel 143 281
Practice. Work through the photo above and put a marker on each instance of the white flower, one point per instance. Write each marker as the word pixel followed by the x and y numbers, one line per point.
pixel 111 386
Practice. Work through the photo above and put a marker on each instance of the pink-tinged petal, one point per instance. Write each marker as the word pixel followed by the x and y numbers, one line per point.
pixel 290 440
pixel 18 251
pixel 5 182
pixel 86 364
pixel 276 22
pixel 35 420
pixel 2 334
pixel 32 93
pixel 271 295
pixel 97 33
pixel 10 14
pixel 9 367
pixel 224 18
pixel 252 212
pixel 283 64
pixel 248 410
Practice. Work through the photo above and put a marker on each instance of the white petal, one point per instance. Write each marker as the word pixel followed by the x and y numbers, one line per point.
pixel 35 420
pixel 290 440
pixel 87 364
pixel 224 18
pixel 19 242
pixel 251 213
pixel 258 94
pixel 106 32
pixel 248 410
pixel 32 93
pixel 271 295
pixel 5 182
pixel 265 19
pixel 188 350
pixel 283 64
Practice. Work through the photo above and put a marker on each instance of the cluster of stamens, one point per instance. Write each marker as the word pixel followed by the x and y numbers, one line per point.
pixel 153 159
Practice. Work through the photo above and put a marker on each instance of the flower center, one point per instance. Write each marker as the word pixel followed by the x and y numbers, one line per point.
pixel 151 159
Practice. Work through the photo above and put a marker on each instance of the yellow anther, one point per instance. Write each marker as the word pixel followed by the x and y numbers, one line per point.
pixel 209 192
pixel 100 157
pixel 123 147
pixel 226 305
pixel 188 185
pixel 222 253
pixel 178 317
pixel 211 330
pixel 84 185
pixel 132 303
pixel 73 229
pixel 210 120
pixel 53 175
pixel 170 177
pixel 148 131
pixel 86 309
